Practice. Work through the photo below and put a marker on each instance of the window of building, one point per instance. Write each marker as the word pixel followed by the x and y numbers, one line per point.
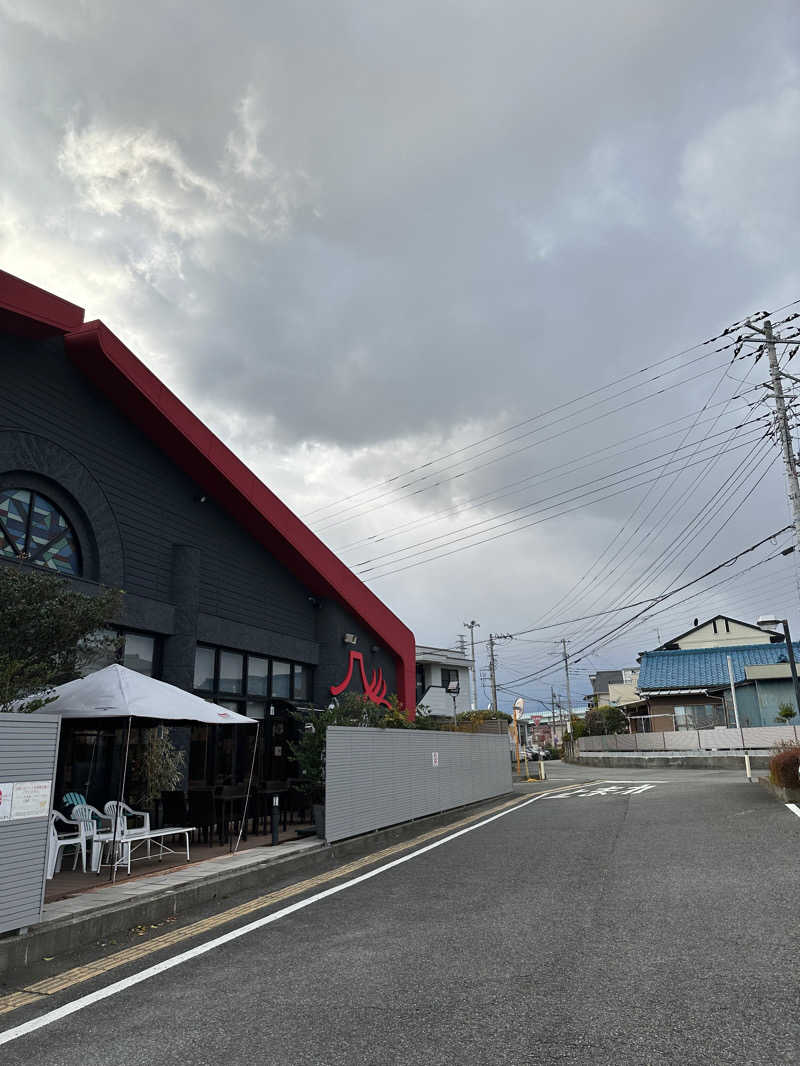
pixel 246 684
pixel 33 530
pixel 224 673
pixel 301 683
pixel 139 653
pixel 281 679
pixel 420 681
pixel 204 669
pixel 699 716
pixel 231 671
pixel 449 676
pixel 257 675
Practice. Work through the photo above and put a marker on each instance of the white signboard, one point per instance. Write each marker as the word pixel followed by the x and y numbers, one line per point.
pixel 31 799
pixel 435 756
pixel 6 792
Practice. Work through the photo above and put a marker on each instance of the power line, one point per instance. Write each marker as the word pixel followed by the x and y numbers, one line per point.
pixel 559 407
pixel 370 507
pixel 601 579
pixel 517 529
pixel 658 599
pixel 496 519
pixel 706 512
pixel 585 460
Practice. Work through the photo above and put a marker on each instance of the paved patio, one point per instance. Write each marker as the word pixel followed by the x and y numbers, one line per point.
pixel 70 882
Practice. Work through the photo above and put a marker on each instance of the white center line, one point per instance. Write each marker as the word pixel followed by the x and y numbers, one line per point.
pixel 794 808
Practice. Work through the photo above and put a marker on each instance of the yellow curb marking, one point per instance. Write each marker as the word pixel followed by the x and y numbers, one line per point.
pixel 79 974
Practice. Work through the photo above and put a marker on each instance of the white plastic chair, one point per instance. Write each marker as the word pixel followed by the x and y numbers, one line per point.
pixel 126 812
pixel 94 824
pixel 55 851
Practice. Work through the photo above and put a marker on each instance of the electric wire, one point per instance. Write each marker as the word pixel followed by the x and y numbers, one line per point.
pixel 593 392
pixel 517 528
pixel 495 520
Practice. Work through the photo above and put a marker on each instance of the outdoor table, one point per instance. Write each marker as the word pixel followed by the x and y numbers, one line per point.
pixel 229 812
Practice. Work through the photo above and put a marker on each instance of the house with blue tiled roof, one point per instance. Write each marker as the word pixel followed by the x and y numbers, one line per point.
pixel 689 688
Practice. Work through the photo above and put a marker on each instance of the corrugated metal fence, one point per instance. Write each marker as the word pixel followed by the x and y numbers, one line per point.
pixel 28 751
pixel 717 739
pixel 379 777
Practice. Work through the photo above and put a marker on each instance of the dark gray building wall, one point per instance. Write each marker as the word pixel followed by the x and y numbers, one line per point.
pixel 332 623
pixel 188 570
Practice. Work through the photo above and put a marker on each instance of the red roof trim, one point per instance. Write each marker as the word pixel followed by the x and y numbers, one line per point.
pixel 29 311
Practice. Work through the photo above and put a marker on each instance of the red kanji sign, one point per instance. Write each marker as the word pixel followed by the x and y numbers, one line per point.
pixel 374 689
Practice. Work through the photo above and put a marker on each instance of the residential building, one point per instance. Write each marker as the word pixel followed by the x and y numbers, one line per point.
pixel 438 668
pixel 720 631
pixel 613 687
pixel 106 478
pixel 690 688
pixel 624 693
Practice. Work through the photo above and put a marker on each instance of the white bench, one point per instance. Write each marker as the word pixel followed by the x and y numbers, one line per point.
pixel 127 841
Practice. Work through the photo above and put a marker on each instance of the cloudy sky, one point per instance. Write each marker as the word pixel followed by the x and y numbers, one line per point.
pixel 361 237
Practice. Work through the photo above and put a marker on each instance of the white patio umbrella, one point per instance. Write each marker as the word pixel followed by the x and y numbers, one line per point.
pixel 117 692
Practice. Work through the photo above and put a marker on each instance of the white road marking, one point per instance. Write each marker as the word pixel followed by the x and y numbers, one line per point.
pixel 604 790
pixel 616 781
pixel 201 949
pixel 794 808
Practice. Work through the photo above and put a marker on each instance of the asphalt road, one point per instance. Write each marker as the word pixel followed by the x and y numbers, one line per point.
pixel 629 927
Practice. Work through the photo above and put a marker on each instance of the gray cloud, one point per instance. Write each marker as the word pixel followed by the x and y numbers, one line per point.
pixel 354 236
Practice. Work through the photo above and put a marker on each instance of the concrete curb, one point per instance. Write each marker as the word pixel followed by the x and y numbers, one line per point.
pixel 681 762
pixel 784 795
pixel 61 934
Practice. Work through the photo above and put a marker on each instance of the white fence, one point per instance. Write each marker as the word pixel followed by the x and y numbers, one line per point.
pixel 717 739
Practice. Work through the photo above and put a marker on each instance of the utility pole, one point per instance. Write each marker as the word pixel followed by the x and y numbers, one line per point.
pixel 471 627
pixel 789 459
pixel 569 696
pixel 553 740
pixel 768 339
pixel 492 675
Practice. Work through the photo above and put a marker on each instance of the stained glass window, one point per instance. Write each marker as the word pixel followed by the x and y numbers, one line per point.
pixel 32 529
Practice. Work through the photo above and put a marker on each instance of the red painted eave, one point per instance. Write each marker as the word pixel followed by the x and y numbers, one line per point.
pixel 28 311
pixel 150 405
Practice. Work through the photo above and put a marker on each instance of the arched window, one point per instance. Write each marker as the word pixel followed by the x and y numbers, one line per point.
pixel 33 530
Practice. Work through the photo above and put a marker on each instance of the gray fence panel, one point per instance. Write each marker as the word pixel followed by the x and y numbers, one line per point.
pixel 28 752
pixel 718 738
pixel 380 777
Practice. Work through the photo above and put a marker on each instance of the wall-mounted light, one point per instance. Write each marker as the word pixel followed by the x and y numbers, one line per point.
pixel 201 499
pixel 350 638
pixel 375 649
pixel 313 601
